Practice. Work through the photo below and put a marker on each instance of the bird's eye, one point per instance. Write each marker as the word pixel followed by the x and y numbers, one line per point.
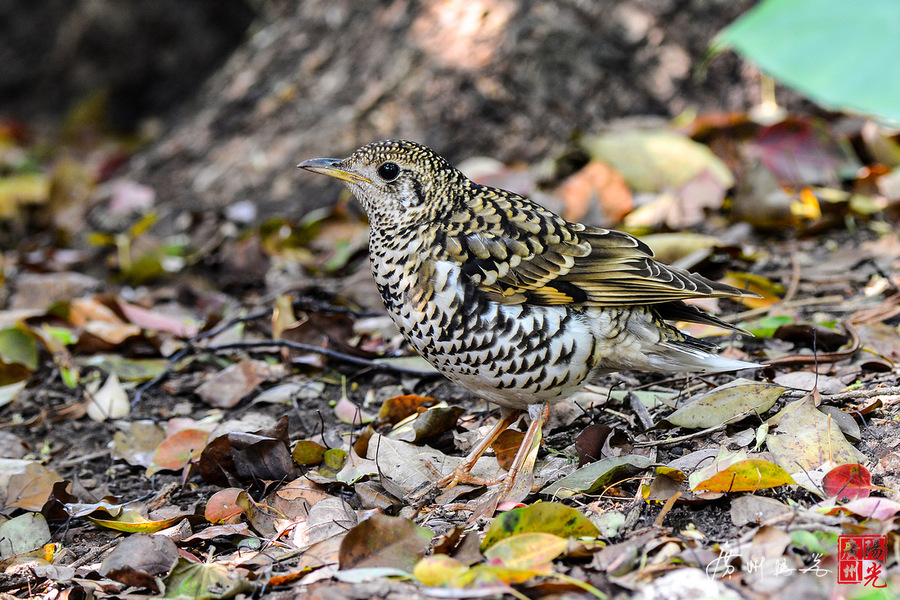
pixel 389 171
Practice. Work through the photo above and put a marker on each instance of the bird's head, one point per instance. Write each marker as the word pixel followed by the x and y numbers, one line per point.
pixel 396 181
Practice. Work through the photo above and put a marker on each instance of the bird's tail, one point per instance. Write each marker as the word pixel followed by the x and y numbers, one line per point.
pixel 692 354
pixel 648 343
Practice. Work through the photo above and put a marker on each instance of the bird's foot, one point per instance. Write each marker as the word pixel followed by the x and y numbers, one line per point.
pixel 462 474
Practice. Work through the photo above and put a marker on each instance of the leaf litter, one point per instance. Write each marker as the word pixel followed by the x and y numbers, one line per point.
pixel 115 372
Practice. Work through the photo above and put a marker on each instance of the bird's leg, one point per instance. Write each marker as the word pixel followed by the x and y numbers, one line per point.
pixel 523 463
pixel 461 474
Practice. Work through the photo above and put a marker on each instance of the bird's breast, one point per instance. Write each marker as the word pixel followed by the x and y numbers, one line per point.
pixel 511 354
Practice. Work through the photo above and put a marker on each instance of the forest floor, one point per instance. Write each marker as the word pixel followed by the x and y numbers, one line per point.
pixel 238 390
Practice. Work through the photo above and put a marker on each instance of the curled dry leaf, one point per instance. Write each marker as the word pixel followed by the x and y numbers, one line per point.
pixel 109 402
pixel 395 409
pixel 222 506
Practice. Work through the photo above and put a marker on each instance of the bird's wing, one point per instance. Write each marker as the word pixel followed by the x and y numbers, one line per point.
pixel 517 251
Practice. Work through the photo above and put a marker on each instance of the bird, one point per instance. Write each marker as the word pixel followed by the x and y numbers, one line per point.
pixel 509 300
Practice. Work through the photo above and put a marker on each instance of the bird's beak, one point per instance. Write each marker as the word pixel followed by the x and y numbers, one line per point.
pixel 329 166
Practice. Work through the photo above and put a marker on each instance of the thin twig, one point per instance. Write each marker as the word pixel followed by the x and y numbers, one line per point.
pixel 824 357
pixel 756 312
pixel 95 552
pixel 310 305
pixel 192 346
pixel 682 438
pixel 795 280
pixel 860 394
pixel 83 458
pixel 348 358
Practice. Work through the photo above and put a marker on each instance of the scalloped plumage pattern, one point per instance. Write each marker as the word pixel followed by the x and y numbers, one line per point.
pixel 508 299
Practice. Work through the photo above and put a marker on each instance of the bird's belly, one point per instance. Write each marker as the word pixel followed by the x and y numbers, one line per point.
pixel 512 354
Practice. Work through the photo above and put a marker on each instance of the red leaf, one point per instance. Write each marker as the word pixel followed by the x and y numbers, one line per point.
pixel 848 482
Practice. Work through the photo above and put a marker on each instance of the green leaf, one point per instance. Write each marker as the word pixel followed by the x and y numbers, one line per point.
pixel 597 475
pixel 17 347
pixel 766 326
pixel 544 517
pixel 815 542
pixel 129 369
pixel 22 534
pixel 307 452
pixel 841 54
pixel 333 461
pixel 726 404
pixel 204 581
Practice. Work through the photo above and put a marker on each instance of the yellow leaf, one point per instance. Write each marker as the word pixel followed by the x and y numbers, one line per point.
pixel 438 570
pixel 747 476
pixel 130 521
pixel 25 188
pixel 527 550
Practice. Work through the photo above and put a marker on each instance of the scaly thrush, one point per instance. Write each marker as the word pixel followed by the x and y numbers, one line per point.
pixel 511 301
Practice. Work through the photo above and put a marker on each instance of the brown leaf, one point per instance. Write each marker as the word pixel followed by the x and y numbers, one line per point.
pixel 756 509
pixel 261 458
pixel 178 450
pixel 597 194
pixel 137 443
pixel 216 466
pixel 383 541
pixel 296 497
pixel 395 409
pixel 589 443
pixel 428 424
pixel 222 506
pixel 227 387
pixel 267 521
pixel 31 488
pixel 139 559
pixel 506 446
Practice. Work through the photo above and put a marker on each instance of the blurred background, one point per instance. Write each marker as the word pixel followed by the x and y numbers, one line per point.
pixel 230 95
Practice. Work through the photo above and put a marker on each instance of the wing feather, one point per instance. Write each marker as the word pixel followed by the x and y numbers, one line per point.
pixel 529 254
